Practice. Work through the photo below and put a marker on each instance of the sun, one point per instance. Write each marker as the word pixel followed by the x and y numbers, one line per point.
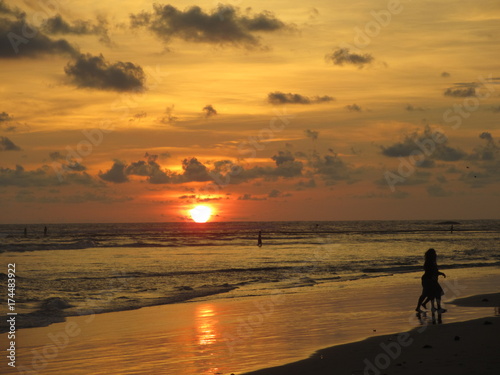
pixel 201 214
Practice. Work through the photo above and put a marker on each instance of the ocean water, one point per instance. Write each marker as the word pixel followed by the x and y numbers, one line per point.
pixel 110 267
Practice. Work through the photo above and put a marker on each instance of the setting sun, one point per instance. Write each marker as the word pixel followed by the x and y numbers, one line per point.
pixel 201 214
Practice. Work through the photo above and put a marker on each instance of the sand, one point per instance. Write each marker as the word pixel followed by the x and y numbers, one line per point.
pixel 238 335
pixel 470 347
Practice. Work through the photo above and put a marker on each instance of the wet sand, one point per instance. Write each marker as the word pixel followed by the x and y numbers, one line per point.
pixel 469 347
pixel 238 335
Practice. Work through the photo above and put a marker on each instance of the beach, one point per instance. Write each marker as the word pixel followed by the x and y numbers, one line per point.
pixel 469 347
pixel 240 335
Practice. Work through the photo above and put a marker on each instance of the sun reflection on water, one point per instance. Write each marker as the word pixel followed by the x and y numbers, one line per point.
pixel 206 325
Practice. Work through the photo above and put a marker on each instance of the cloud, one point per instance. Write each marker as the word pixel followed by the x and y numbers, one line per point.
pixel 57 25
pixel 194 170
pixel 5 9
pixel 279 97
pixel 417 178
pixel 488 153
pixel 487 136
pixel 4 116
pixel 302 185
pixel 7 145
pixel 169 118
pixel 460 92
pixel 43 176
pixel 331 167
pixel 116 174
pixel 445 74
pixel 411 108
pixel 224 25
pixel 312 134
pixel 343 56
pixel 8 124
pixel 150 169
pixel 354 108
pixel 95 72
pixel 249 197
pixel 413 143
pixel 14 44
pixel 286 165
pixel 209 110
pixel 28 196
pixel 278 194
pixel 437 191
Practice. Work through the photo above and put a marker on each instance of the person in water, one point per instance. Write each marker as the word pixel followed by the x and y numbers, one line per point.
pixel 431 290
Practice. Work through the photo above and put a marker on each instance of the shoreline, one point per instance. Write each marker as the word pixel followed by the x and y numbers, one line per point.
pixel 464 347
pixel 237 335
pixel 56 309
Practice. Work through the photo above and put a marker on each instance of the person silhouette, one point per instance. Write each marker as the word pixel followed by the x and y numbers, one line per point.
pixel 431 290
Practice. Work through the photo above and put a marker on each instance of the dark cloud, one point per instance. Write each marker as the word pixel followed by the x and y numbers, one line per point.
pixel 95 72
pixel 4 116
pixel 413 143
pixel 302 185
pixel 274 193
pixel 56 155
pixel 15 44
pixel 149 168
pixel 487 136
pixel 194 170
pixel 445 74
pixel 411 108
pixel 57 25
pixel 209 110
pixel 286 165
pixel 8 124
pixel 43 176
pixel 224 25
pixel 278 194
pixel 94 197
pixel 140 115
pixel 249 197
pixel 5 9
pixel 354 108
pixel 169 118
pixel 28 196
pixel 488 153
pixel 312 134
pixel 460 92
pixel 7 145
pixel 343 56
pixel 279 97
pixel 437 191
pixel 116 174
pixel 495 109
pixel 331 167
pixel 417 178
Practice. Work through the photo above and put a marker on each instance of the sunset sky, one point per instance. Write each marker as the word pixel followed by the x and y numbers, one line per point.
pixel 136 111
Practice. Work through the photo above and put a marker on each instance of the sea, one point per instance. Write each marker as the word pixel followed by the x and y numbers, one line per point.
pixel 92 268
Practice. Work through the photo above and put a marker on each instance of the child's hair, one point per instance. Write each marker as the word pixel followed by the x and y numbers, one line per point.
pixel 430 256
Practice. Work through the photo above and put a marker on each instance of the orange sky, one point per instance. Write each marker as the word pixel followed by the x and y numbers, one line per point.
pixel 327 110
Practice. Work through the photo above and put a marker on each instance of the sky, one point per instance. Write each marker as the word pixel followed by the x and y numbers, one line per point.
pixel 137 111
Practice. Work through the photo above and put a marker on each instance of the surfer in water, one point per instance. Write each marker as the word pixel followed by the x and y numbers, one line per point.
pixel 259 240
